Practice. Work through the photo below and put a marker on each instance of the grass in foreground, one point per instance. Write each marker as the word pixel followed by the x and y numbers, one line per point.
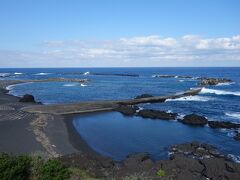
pixel 21 167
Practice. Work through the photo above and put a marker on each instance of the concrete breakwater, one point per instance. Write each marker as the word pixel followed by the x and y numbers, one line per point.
pixel 86 107
pixel 5 83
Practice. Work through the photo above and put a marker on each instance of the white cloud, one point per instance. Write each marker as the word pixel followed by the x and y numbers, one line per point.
pixel 149 41
pixel 189 50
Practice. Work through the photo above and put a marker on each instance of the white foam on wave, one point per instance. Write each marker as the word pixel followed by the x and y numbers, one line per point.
pixel 42 74
pixel 181 80
pixel 74 84
pixel 180 116
pixel 231 134
pixel 190 98
pixel 139 109
pixel 10 87
pixel 225 84
pixel 4 74
pixel 234 158
pixel 70 85
pixel 86 73
pixel 218 92
pixel 235 115
pixel 18 73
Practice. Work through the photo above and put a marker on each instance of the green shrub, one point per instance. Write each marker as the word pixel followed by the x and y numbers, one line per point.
pixel 53 170
pixel 14 167
pixel 161 173
pixel 22 167
pixel 36 165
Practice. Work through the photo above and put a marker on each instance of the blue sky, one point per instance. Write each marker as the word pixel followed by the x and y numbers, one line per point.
pixel 57 32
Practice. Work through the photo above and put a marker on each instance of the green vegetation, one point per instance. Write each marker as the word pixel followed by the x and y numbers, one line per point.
pixel 77 173
pixel 53 169
pixel 14 167
pixel 27 167
pixel 161 173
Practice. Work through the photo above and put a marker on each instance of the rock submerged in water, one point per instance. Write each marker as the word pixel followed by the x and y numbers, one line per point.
pixel 143 96
pixel 155 114
pixel 193 119
pixel 213 81
pixel 27 98
pixel 237 137
pixel 223 124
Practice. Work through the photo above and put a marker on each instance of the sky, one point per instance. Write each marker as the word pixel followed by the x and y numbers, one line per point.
pixel 120 33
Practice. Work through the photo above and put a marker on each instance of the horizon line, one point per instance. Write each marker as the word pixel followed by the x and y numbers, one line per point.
pixel 122 67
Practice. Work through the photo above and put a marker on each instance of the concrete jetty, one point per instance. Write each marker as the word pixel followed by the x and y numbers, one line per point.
pixel 96 106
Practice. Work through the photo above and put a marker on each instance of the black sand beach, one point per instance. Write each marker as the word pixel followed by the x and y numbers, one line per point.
pixel 54 136
pixel 23 132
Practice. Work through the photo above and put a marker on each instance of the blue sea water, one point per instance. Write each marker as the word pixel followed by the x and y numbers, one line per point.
pixel 115 135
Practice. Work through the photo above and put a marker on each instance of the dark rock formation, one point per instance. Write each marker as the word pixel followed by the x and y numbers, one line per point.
pixel 185 77
pixel 223 124
pixel 204 81
pixel 134 159
pixel 195 150
pixel 199 161
pixel 143 96
pixel 27 98
pixel 97 166
pixel 194 119
pixel 237 136
pixel 212 81
pixel 195 161
pixel 155 114
pixel 127 110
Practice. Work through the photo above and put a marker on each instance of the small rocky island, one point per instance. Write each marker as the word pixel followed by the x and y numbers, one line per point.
pixel 203 81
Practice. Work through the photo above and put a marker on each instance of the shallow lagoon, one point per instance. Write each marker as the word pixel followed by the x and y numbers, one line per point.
pixel 116 136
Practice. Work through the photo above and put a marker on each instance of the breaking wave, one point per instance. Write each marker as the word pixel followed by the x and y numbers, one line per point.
pixel 234 158
pixel 17 73
pixel 190 98
pixel 74 84
pixel 218 92
pixel 4 74
pixel 235 115
pixel 225 84
pixel 70 85
pixel 42 74
pixel 86 73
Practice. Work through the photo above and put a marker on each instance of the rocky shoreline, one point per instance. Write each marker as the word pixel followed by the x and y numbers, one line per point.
pixel 192 160
pixel 191 119
pixel 54 136
pixel 203 81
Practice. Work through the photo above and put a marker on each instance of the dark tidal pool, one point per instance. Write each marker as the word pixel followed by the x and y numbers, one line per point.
pixel 114 135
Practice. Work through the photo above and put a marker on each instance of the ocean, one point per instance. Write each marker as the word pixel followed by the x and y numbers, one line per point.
pixel 114 135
